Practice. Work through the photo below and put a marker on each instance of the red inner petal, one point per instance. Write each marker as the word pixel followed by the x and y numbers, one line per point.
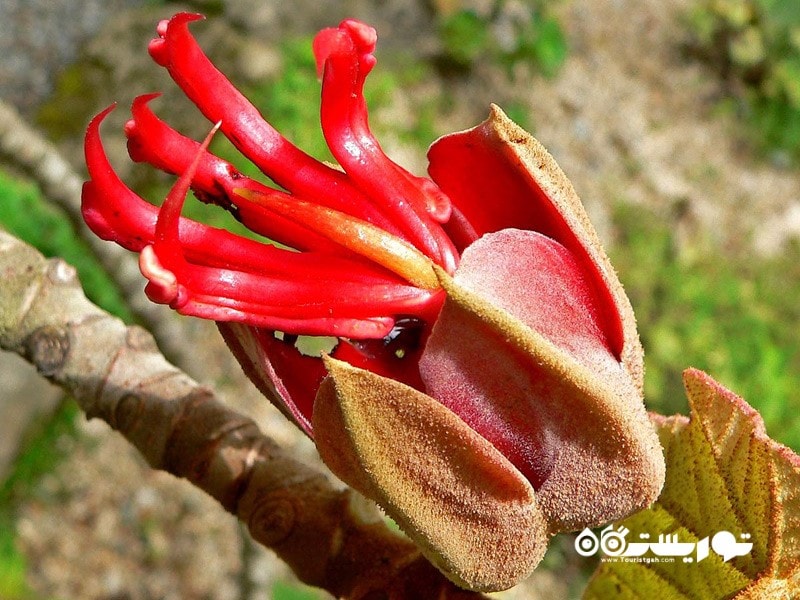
pixel 277 369
pixel 153 141
pixel 474 371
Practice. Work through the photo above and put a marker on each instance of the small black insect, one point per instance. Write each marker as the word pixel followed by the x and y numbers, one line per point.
pixel 404 338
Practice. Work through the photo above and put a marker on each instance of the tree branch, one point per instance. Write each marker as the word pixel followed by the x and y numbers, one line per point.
pixel 327 535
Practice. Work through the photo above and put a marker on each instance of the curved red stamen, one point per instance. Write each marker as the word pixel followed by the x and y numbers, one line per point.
pixel 363 238
pixel 285 297
pixel 415 204
pixel 232 293
pixel 116 213
pixel 167 236
pixel 188 296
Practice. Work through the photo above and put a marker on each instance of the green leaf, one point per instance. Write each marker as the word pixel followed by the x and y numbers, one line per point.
pixel 723 474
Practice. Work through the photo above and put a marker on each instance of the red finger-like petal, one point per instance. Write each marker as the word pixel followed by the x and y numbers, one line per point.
pixel 415 206
pixel 363 238
pixel 356 41
pixel 290 298
pixel 224 294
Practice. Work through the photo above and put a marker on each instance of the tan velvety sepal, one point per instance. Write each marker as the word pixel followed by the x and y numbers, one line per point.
pixel 467 507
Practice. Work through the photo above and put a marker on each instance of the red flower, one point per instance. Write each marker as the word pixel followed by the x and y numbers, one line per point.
pixel 485 387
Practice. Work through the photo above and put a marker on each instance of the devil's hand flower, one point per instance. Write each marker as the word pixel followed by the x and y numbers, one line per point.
pixel 485 386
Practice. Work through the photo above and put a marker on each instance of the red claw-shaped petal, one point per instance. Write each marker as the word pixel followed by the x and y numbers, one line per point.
pixel 176 49
pixel 207 272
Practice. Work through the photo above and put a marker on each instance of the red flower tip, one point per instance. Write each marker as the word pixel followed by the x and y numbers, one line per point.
pixel 157 47
pixel 350 35
pixel 344 56
pixel 162 286
pixel 160 261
